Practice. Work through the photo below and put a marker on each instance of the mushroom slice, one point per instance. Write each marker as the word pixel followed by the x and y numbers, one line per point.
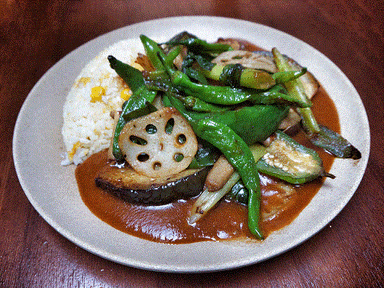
pixel 159 144
pixel 257 60
pixel 290 124
pixel 263 60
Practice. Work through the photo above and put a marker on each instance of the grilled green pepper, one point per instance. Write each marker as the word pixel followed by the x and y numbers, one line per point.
pixel 238 154
pixel 189 68
pixel 236 76
pixel 197 45
pixel 252 123
pixel 152 48
pixel 198 105
pixel 224 95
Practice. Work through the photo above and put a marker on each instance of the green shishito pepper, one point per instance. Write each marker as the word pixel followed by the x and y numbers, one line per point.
pixel 199 46
pixel 240 156
pixel 252 123
pixel 151 49
pixel 224 95
pixel 138 102
pixel 198 105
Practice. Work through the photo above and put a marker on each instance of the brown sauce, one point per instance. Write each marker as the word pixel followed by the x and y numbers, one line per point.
pixel 168 223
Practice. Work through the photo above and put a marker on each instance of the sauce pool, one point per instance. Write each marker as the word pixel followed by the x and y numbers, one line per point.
pixel 228 221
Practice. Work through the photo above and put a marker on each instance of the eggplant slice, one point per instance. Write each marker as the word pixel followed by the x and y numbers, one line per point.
pixel 132 187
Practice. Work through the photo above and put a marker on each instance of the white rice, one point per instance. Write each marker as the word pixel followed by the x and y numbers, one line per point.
pixel 88 126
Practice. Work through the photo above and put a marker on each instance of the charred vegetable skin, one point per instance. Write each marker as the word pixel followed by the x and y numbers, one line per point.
pixel 335 144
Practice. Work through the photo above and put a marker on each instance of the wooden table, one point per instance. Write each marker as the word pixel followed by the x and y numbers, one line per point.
pixel 34 35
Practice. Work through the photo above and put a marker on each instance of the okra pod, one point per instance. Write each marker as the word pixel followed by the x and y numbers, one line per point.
pixel 288 160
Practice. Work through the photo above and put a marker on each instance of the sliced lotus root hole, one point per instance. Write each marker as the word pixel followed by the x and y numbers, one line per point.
pixel 178 157
pixel 181 139
pixel 159 144
pixel 156 166
pixel 151 129
pixel 169 126
pixel 137 140
pixel 143 157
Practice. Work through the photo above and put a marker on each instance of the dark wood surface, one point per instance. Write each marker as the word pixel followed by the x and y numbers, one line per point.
pixel 34 35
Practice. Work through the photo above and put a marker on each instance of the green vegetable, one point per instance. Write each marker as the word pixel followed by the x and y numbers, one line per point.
pixel 166 101
pixel 290 161
pixel 252 123
pixel 224 95
pixel 319 135
pixel 197 45
pixel 139 99
pixel 238 154
pixel 172 55
pixel 296 89
pixel 198 105
pixel 239 193
pixel 236 76
pixel 276 95
pixel 151 49
pixel 207 199
pixel 286 76
pixel 206 155
pixel 190 70
pixel 335 144
pixel 159 80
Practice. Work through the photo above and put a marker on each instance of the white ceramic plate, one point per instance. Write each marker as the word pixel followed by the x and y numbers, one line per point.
pixel 52 189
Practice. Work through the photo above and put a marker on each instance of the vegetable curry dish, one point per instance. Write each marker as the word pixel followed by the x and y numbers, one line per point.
pixel 212 141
